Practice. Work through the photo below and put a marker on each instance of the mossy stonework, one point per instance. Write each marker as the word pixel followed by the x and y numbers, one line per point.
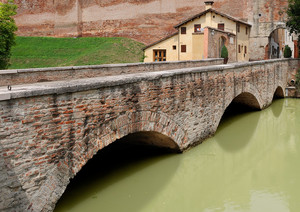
pixel 49 130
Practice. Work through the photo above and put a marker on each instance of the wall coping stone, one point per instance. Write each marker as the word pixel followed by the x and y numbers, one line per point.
pixel 68 68
pixel 77 85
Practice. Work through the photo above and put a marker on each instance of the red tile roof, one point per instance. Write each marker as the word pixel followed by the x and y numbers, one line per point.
pixel 214 11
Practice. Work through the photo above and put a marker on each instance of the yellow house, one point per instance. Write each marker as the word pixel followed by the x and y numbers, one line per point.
pixel 202 36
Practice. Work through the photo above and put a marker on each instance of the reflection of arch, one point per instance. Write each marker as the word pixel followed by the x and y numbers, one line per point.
pixel 242 103
pixel 114 159
pixel 277 107
pixel 222 42
pixel 241 136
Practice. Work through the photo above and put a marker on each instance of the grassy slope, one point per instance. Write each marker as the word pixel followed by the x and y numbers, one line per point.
pixel 33 52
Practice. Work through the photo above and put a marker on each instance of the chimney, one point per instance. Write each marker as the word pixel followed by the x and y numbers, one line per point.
pixel 208 4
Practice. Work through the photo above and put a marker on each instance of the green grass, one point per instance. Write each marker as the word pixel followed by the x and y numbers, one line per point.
pixel 37 52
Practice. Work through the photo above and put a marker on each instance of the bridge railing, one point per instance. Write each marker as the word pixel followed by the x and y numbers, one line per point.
pixel 27 76
pixel 84 84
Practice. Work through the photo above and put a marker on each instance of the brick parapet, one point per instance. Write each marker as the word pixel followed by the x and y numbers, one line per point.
pixel 60 87
pixel 27 76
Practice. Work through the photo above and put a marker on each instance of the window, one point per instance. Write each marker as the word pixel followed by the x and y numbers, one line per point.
pixel 159 55
pixel 239 48
pixel 246 30
pixel 245 49
pixel 183 48
pixel 238 27
pixel 174 47
pixel 197 28
pixel 183 30
pixel 221 26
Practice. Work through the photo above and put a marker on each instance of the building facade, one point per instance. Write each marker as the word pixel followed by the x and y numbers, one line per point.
pixel 203 36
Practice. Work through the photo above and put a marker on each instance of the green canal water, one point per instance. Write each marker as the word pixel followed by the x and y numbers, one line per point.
pixel 251 164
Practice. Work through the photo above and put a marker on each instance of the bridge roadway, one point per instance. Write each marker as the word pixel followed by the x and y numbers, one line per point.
pixel 49 130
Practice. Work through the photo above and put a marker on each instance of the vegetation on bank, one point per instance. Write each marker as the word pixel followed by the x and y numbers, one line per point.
pixel 7 31
pixel 37 52
pixel 297 83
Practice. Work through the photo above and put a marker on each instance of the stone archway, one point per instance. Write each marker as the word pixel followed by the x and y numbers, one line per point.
pixel 222 42
pixel 277 40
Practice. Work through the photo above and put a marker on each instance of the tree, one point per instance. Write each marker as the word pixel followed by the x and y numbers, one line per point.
pixel 7 31
pixel 293 13
pixel 287 52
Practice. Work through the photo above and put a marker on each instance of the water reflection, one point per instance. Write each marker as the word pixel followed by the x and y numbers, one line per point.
pixel 241 136
pixel 230 125
pixel 277 108
pixel 257 172
pixel 120 176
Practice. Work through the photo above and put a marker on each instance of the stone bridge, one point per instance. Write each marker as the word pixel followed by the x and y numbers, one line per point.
pixel 49 130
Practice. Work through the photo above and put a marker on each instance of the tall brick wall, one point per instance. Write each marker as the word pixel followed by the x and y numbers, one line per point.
pixel 145 21
pixel 48 131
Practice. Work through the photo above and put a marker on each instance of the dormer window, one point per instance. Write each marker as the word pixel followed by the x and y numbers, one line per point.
pixel 197 28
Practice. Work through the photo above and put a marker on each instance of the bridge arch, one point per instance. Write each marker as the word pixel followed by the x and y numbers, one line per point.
pixel 278 93
pixel 150 128
pixel 241 102
pixel 247 99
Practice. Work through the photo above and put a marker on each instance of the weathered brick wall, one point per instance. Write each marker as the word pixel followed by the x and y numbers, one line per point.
pixel 145 21
pixel 214 43
pixel 49 131
pixel 140 20
pixel 25 76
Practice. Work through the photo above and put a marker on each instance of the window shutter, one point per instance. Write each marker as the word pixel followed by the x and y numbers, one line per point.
pixel 221 26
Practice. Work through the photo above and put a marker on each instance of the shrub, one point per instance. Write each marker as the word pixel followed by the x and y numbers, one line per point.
pixel 224 52
pixel 287 52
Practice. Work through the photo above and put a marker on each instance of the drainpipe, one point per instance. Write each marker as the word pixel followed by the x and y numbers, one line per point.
pixel 178 44
pixel 236 43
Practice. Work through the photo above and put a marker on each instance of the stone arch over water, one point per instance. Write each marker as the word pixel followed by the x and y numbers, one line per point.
pixel 242 102
pixel 247 99
pixel 279 93
pixel 143 127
